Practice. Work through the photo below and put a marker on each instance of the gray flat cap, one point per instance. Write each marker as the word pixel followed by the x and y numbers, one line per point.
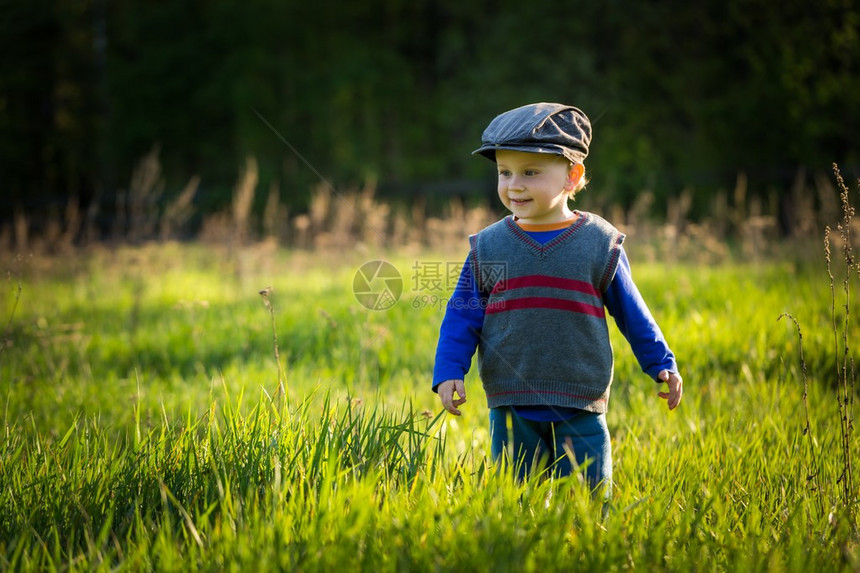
pixel 539 128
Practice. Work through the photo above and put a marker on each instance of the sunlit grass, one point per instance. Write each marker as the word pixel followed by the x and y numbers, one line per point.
pixel 140 429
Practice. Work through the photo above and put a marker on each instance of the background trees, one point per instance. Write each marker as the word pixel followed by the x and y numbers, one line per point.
pixel 397 92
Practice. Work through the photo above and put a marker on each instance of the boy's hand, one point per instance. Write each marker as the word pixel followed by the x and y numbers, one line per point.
pixel 446 391
pixel 676 388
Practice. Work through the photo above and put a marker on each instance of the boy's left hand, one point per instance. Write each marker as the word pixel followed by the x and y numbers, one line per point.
pixel 676 388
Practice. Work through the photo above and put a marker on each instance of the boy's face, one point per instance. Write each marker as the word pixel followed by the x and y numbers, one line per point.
pixel 534 186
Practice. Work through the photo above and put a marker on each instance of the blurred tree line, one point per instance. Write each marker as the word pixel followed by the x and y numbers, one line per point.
pixel 397 92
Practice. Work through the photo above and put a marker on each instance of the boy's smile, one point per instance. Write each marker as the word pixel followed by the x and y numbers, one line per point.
pixel 534 186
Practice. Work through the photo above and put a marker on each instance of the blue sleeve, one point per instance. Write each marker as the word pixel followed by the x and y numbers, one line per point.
pixel 624 302
pixel 460 330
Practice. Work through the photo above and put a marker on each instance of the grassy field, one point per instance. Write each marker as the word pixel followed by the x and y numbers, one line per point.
pixel 143 428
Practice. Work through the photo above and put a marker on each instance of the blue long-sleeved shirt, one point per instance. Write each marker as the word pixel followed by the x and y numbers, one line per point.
pixel 461 327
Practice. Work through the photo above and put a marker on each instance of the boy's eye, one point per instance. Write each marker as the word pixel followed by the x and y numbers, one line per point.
pixel 504 173
pixel 531 172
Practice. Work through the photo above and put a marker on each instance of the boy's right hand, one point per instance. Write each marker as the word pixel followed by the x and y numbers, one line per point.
pixel 446 391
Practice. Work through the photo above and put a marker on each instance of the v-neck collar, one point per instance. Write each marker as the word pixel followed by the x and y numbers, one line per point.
pixel 541 250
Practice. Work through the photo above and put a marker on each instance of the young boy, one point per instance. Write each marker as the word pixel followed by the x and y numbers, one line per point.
pixel 532 298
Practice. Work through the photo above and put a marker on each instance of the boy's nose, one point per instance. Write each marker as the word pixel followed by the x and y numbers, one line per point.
pixel 515 183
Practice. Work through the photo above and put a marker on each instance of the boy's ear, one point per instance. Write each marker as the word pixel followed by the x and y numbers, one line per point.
pixel 577 170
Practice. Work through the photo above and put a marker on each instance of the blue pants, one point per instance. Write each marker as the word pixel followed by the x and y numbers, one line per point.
pixel 545 445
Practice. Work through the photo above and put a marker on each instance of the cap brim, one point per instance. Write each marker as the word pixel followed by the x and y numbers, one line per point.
pixel 489 151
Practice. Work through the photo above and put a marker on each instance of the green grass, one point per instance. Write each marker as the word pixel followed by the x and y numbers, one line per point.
pixel 140 433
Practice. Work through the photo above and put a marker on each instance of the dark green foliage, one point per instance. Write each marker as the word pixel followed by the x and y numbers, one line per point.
pixel 681 94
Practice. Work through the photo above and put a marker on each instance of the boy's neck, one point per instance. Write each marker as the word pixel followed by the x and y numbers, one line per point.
pixel 537 227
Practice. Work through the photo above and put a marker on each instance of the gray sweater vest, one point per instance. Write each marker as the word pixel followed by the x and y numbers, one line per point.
pixel 545 340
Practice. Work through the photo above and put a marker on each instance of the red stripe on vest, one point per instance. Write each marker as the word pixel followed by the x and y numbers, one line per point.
pixel 545 281
pixel 545 302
